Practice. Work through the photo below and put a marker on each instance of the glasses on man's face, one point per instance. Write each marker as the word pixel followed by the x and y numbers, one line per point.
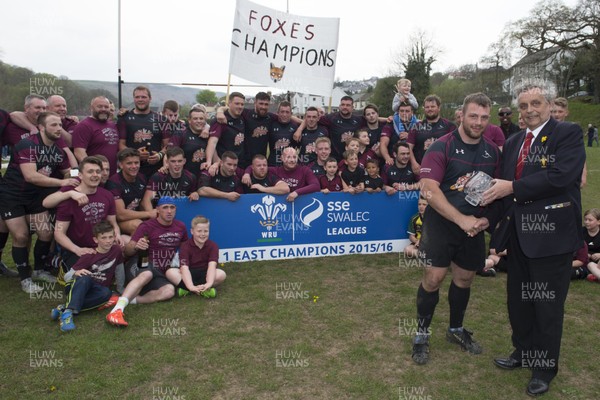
pixel 505 114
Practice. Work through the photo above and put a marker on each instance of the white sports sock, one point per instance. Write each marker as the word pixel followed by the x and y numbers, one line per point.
pixel 121 304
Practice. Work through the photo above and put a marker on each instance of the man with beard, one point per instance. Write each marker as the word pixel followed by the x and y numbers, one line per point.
pixel 341 126
pixel 27 180
pixel 397 131
pixel 506 124
pixel 540 227
pixel 282 131
pixel 161 237
pixel 307 137
pixel 170 123
pixel 299 178
pixel 225 184
pixel 176 182
pixel 54 103
pixel 257 128
pixel 128 187
pixel 427 131
pixel 24 125
pixel 263 181
pixel 140 129
pixel 97 134
pixel 258 125
pixel 399 176
pixel 192 141
pixel 79 210
pixel 374 127
pixel 229 135
pixel 452 234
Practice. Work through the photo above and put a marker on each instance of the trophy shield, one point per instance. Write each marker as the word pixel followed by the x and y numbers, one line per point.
pixel 475 186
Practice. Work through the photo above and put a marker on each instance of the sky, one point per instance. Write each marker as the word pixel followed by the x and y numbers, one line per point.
pixel 189 41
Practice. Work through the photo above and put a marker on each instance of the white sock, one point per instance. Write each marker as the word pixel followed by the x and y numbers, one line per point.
pixel 121 304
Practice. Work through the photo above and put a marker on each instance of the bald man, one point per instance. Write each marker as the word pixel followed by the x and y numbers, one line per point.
pixel 97 134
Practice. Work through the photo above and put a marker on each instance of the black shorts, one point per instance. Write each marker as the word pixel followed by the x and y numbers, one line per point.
pixel 14 205
pixel 443 242
pixel 198 278
pixel 158 280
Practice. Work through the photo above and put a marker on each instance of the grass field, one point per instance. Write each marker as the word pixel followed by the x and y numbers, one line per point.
pixel 326 328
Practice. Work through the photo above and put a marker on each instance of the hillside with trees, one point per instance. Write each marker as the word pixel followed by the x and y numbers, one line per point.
pixel 18 82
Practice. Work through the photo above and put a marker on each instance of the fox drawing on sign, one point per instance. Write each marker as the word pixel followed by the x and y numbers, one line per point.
pixel 276 72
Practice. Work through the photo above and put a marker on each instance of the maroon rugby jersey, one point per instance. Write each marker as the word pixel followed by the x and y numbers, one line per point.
pixel 82 218
pixel 424 133
pixel 164 240
pixel 101 265
pixel 98 137
pixel 334 185
pixel 451 162
pixel 196 258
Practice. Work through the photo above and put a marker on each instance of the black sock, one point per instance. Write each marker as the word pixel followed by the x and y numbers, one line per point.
pixel 40 252
pixel 458 298
pixel 20 256
pixel 426 302
pixel 3 240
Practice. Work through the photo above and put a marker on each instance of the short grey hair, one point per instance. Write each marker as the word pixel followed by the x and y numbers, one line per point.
pixel 545 87
pixel 29 99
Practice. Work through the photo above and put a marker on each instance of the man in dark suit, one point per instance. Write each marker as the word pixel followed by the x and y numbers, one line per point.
pixel 540 225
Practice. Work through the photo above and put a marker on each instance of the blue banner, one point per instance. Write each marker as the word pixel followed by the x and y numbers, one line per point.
pixel 267 227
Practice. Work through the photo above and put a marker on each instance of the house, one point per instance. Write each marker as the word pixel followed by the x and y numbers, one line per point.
pixel 301 101
pixel 552 64
pixel 361 100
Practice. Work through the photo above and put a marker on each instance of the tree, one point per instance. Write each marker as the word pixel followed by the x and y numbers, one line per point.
pixel 497 59
pixel 417 68
pixel 437 78
pixel 572 30
pixel 414 63
pixel 206 97
pixel 452 91
pixel 17 82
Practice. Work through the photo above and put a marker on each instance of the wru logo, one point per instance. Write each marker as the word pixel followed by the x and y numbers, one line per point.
pixel 268 210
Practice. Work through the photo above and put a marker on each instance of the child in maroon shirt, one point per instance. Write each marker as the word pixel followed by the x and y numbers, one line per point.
pixel 198 258
pixel 89 280
pixel 331 181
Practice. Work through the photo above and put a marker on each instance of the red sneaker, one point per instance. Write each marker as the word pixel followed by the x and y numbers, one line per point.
pixel 592 278
pixel 110 303
pixel 116 318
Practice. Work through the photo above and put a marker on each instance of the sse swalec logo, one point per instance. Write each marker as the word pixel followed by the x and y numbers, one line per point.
pixel 311 212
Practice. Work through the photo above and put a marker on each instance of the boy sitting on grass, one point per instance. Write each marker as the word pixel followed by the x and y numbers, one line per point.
pixel 198 258
pixel 89 280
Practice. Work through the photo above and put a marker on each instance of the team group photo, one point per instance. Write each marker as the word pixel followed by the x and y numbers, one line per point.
pixel 421 235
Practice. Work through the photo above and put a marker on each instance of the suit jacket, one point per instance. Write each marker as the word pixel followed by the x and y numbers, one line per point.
pixel 546 204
